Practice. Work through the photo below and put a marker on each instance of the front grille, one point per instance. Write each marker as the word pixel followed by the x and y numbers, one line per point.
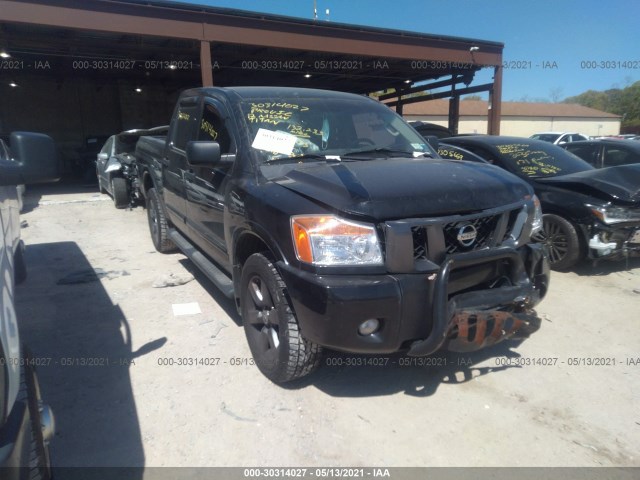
pixel 419 243
pixel 432 239
pixel 484 227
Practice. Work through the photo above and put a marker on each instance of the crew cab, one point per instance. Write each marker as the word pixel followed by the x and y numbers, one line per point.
pixel 333 224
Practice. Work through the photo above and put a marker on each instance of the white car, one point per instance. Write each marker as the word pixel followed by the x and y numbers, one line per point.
pixel 559 138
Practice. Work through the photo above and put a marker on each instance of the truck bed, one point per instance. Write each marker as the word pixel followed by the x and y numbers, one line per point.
pixel 150 147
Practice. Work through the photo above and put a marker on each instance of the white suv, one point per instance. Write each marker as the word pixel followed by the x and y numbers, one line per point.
pixel 559 138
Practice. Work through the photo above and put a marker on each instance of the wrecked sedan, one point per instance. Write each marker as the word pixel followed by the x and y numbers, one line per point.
pixel 588 213
pixel 116 166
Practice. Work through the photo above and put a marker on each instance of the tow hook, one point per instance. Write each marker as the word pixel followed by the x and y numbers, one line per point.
pixel 601 248
pixel 473 330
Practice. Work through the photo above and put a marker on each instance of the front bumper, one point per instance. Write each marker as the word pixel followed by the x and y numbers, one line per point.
pixel 417 311
pixel 613 243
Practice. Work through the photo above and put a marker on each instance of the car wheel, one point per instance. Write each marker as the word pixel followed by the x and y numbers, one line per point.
pixel 562 242
pixel 19 265
pixel 279 350
pixel 158 225
pixel 120 192
pixel 39 466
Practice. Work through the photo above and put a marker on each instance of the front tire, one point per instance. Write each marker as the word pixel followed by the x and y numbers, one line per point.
pixel 158 226
pixel 562 241
pixel 120 192
pixel 279 350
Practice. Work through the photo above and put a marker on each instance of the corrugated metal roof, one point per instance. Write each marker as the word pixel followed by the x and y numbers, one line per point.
pixel 470 108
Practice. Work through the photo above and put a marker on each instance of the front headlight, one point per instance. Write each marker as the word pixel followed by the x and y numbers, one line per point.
pixel 611 215
pixel 330 240
pixel 536 222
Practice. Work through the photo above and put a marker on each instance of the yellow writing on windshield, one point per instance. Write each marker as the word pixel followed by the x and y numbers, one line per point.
pixel 530 162
pixel 300 131
pixel 183 116
pixel 273 112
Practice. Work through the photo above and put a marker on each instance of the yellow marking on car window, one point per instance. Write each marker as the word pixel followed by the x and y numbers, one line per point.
pixel 530 162
pixel 300 131
pixel 208 128
pixel 273 112
pixel 450 154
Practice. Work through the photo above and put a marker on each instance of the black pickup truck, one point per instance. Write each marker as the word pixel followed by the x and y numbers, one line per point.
pixel 332 223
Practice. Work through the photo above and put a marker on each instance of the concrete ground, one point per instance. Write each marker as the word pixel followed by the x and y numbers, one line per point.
pixel 105 338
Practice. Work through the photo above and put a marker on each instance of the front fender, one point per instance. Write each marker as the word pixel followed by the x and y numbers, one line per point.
pixel 113 165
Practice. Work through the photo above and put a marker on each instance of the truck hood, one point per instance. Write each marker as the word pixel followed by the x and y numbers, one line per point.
pixel 613 183
pixel 405 188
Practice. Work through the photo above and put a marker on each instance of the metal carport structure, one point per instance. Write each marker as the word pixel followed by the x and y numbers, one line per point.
pixel 176 45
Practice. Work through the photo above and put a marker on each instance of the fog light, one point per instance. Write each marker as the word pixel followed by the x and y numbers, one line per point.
pixel 369 326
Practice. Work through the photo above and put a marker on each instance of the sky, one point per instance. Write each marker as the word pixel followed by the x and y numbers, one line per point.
pixel 553 48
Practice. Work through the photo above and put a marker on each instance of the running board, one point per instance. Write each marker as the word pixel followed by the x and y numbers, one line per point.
pixel 213 273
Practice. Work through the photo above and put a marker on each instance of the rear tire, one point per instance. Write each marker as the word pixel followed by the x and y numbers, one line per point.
pixel 120 192
pixel 158 226
pixel 562 241
pixel 279 350
pixel 19 265
pixel 39 457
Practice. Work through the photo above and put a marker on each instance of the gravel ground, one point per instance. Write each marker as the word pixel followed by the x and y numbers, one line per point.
pixel 568 396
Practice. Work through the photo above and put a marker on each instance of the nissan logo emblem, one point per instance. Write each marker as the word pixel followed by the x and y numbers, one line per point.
pixel 467 235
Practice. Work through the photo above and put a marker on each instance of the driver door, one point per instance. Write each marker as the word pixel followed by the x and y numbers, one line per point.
pixel 206 184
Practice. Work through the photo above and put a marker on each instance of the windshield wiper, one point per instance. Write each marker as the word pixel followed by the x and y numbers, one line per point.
pixel 301 158
pixel 383 152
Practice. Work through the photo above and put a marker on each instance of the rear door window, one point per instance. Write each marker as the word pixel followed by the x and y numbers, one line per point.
pixel 184 123
pixel 588 153
pixel 615 156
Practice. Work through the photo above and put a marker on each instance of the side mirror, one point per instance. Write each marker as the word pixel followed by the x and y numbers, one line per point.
pixel 203 153
pixel 433 141
pixel 103 156
pixel 34 160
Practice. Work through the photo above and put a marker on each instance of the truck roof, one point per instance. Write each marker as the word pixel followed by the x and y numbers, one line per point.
pixel 272 92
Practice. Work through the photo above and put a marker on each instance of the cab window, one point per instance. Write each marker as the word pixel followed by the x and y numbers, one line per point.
pixel 184 121
pixel 212 128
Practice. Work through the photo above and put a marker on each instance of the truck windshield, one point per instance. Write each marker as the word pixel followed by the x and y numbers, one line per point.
pixel 328 128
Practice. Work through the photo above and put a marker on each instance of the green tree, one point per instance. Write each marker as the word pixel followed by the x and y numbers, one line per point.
pixel 624 102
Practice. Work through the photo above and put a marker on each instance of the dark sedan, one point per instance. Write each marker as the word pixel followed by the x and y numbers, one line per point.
pixel 588 213
pixel 116 165
pixel 606 153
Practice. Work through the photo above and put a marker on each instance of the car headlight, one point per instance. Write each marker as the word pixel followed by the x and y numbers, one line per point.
pixel 330 240
pixel 611 215
pixel 536 222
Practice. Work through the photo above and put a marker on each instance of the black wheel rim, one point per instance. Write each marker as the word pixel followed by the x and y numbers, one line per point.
pixel 555 237
pixel 262 320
